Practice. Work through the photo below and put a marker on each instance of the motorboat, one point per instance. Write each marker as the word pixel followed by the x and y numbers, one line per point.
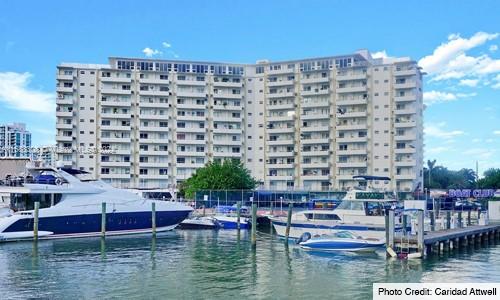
pixel 200 222
pixel 361 211
pixel 71 205
pixel 340 241
pixel 227 218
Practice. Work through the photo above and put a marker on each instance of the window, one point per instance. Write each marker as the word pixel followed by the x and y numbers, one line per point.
pixel 143 171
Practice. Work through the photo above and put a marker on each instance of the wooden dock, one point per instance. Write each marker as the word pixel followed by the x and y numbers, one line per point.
pixel 406 245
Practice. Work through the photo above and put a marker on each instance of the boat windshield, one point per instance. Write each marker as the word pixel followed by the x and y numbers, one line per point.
pixel 344 235
pixel 22 202
pixel 351 205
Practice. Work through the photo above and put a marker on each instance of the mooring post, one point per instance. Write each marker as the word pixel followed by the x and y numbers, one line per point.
pixel 420 233
pixel 448 220
pixel 238 214
pixel 153 217
pixel 433 220
pixel 254 224
pixel 390 230
pixel 103 219
pixel 288 220
pixel 459 219
pixel 203 211
pixel 468 218
pixel 35 221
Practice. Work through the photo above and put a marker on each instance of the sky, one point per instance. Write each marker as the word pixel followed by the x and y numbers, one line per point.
pixel 455 42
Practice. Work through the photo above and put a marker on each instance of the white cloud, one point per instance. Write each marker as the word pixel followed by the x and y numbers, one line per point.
pixel 493 48
pixel 497 132
pixel 151 52
pixel 469 82
pixel 16 94
pixel 497 82
pixel 450 50
pixel 481 153
pixel 433 97
pixel 437 131
pixel 380 54
pixel 166 45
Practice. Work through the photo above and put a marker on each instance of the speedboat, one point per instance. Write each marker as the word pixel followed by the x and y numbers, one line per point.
pixel 227 218
pixel 361 211
pixel 71 204
pixel 340 241
pixel 200 223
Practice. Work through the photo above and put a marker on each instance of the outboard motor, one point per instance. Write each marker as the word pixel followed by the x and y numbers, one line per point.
pixel 303 238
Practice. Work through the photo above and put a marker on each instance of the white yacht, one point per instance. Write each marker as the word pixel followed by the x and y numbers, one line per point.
pixel 361 212
pixel 71 206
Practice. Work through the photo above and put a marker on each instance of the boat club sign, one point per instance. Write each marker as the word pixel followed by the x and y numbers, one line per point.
pixel 468 193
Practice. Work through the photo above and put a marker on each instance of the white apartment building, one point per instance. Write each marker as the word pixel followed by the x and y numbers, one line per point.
pixel 15 140
pixel 305 124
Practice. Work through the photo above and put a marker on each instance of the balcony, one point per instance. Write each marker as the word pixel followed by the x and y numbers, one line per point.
pixel 228 131
pixel 315 129
pixel 115 164
pixel 280 166
pixel 280 118
pixel 227 96
pixel 153 128
pixel 115 127
pixel 227 142
pixel 190 118
pixel 64 114
pixel 115 116
pixel 154 93
pixel 315 165
pixel 153 176
pixel 64 126
pixel 191 82
pixel 227 84
pixel 352 89
pixel 313 116
pixel 356 101
pixel 152 152
pixel 114 176
pixel 191 129
pixel 351 126
pixel 405 72
pixel 281 130
pixel 405 124
pixel 405 137
pixel 154 80
pixel 190 142
pixel 406 98
pixel 153 140
pixel 352 139
pixel 153 104
pixel 315 153
pixel 280 83
pixel 115 140
pixel 405 163
pixel 227 154
pixel 286 106
pixel 63 138
pixel 190 154
pixel 411 176
pixel 116 103
pixel 280 178
pixel 353 164
pixel 406 85
pixel 315 92
pixel 62 89
pixel 352 114
pixel 314 80
pixel 63 101
pixel 350 76
pixel 67 77
pixel 190 165
pixel 315 141
pixel 227 107
pixel 163 117
pixel 352 152
pixel 315 177
pixel 107 90
pixel 281 95
pixel 408 150
pixel 406 111
pixel 153 164
pixel 315 104
pixel 115 79
pixel 191 106
pixel 280 154
pixel 280 142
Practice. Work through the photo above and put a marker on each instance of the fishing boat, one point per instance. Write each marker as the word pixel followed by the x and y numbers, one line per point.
pixel 340 241
pixel 227 218
pixel 200 223
pixel 71 205
pixel 361 211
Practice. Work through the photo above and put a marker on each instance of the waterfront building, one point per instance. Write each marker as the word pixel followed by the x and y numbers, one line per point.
pixel 302 124
pixel 15 140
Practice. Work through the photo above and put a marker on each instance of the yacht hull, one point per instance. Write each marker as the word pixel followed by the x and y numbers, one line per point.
pixel 297 229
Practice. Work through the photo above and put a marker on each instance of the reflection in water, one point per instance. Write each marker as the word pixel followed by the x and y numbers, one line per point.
pixel 217 264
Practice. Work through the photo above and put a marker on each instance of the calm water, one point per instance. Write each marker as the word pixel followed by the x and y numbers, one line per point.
pixel 216 265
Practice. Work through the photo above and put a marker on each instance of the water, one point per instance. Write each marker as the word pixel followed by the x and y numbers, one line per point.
pixel 216 265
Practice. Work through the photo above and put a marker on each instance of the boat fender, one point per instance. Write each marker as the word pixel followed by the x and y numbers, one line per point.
pixel 304 237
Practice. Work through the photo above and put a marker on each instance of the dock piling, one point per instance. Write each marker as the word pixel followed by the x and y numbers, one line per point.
pixel 468 219
pixel 153 218
pixel 420 234
pixel 238 215
pixel 103 219
pixel 288 220
pixel 254 224
pixel 433 220
pixel 459 219
pixel 35 221
pixel 448 220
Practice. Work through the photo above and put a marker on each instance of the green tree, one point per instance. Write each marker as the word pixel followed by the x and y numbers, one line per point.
pixel 231 174
pixel 430 167
pixel 491 179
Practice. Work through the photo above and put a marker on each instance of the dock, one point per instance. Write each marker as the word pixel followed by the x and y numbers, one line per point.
pixel 422 243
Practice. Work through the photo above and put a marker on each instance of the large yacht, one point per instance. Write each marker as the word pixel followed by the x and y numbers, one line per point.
pixel 71 206
pixel 361 211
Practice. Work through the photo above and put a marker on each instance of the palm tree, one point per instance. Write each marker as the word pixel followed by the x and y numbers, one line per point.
pixel 430 166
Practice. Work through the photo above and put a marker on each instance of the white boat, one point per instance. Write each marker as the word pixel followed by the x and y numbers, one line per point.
pixel 340 241
pixel 361 211
pixel 200 223
pixel 227 219
pixel 71 206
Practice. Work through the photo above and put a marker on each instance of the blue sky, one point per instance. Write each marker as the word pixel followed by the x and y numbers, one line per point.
pixel 456 42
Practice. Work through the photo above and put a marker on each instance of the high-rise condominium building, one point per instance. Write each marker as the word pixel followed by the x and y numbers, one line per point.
pixel 302 124
pixel 15 140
